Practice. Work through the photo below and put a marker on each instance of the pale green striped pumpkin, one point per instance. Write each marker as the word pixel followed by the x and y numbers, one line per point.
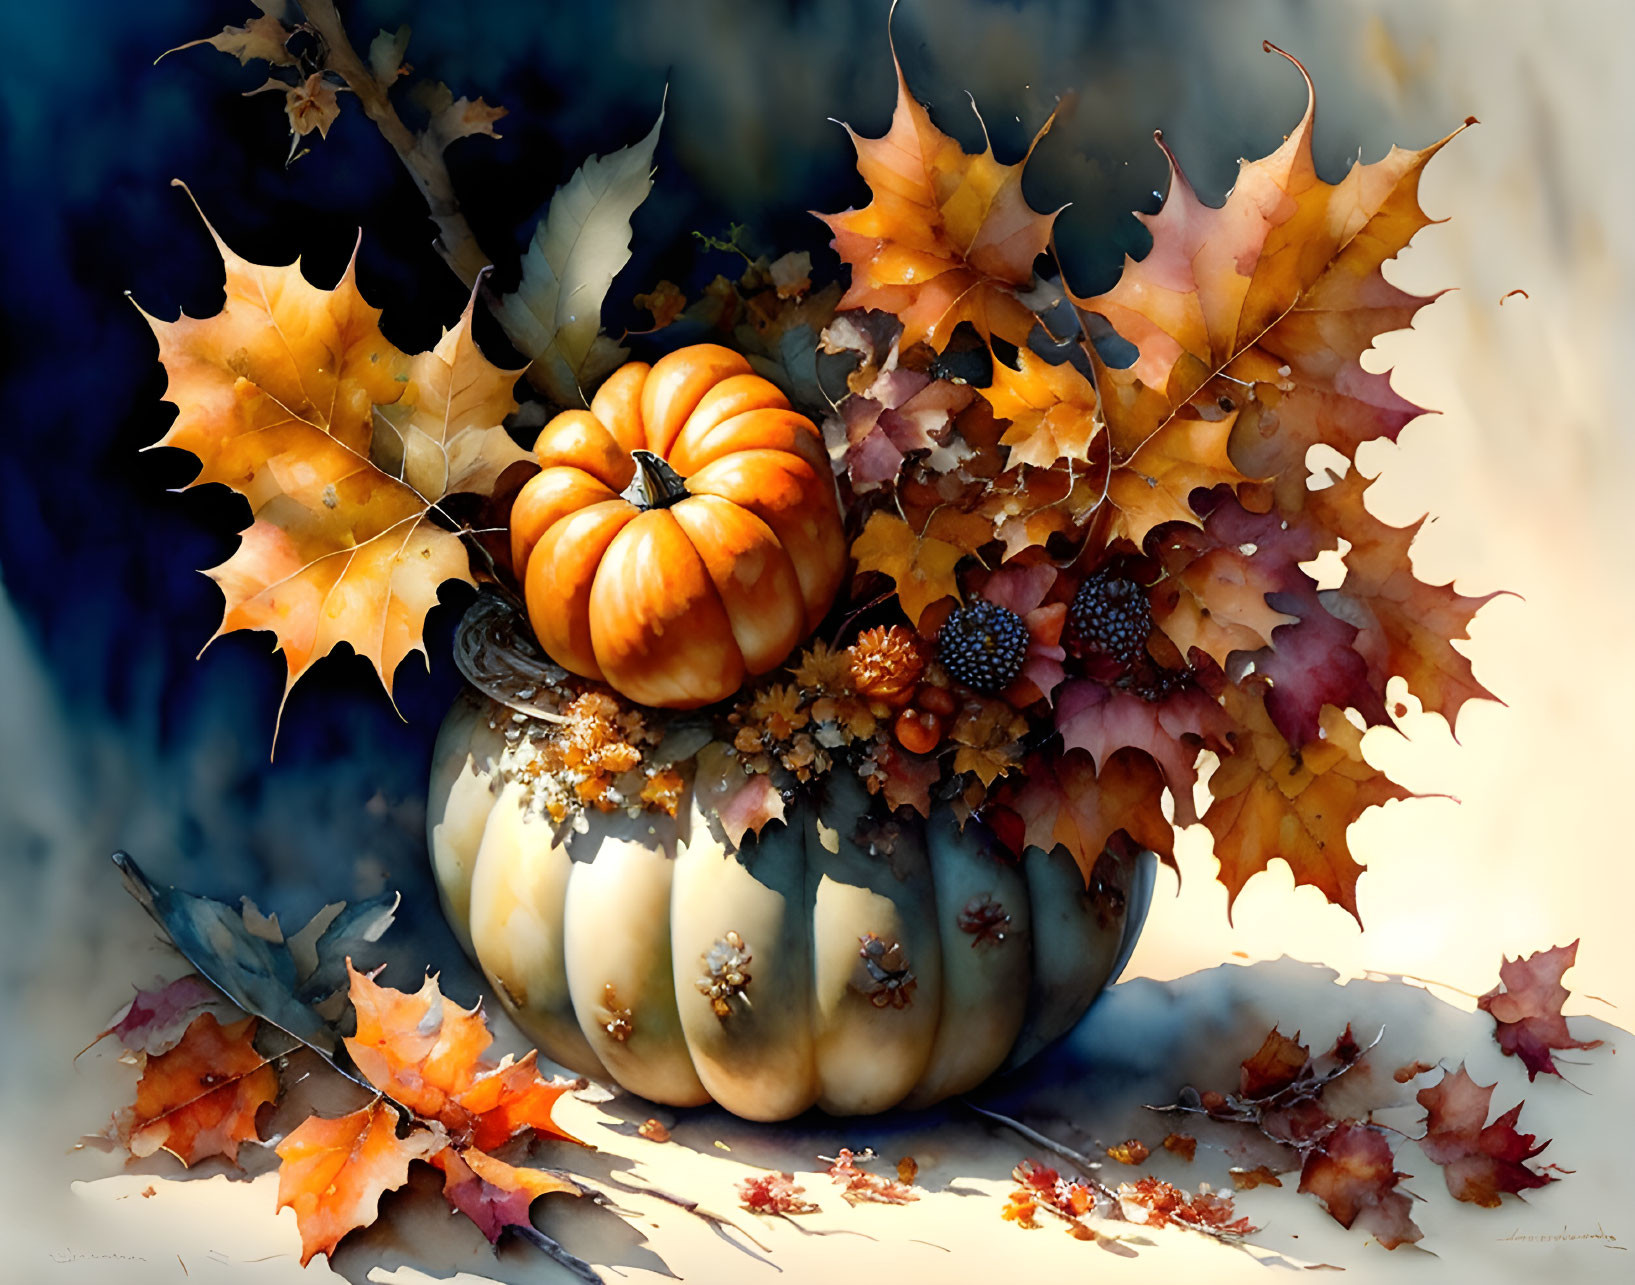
pixel 800 971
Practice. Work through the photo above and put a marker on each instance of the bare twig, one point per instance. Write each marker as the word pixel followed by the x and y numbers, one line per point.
pixel 1077 1159
pixel 1089 1167
pixel 576 1266
pixel 421 154
pixel 717 1223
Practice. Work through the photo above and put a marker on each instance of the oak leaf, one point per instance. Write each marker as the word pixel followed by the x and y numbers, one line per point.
pixel 424 1052
pixel 334 1172
pixel 1271 801
pixel 948 237
pixel 493 1194
pixel 921 567
pixel 1278 291
pixel 1479 1160
pixel 1527 1007
pixel 280 396
pixel 200 1098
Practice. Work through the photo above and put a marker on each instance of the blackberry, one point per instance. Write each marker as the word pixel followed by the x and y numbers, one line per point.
pixel 1159 684
pixel 983 645
pixel 1110 613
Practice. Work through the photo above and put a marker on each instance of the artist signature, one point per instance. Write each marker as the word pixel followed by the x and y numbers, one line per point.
pixel 88 1256
pixel 1601 1234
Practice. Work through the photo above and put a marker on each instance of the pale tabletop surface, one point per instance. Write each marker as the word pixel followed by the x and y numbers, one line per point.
pixel 1528 470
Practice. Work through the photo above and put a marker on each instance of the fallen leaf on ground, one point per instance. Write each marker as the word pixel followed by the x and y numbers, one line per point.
pixel 863 1187
pixel 1353 1173
pixel 1527 1007
pixel 200 1099
pixel 1479 1160
pixel 493 1194
pixel 152 1022
pixel 334 1172
pixel 774 1193
pixel 424 1052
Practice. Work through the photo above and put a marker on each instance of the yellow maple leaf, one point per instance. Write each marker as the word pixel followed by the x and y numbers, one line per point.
pixel 923 568
pixel 344 447
pixel 1051 409
pixel 947 238
pixel 1186 452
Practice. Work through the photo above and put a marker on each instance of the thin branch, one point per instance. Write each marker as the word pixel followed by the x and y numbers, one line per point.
pixel 420 154
pixel 717 1223
pixel 576 1266
pixel 1077 1159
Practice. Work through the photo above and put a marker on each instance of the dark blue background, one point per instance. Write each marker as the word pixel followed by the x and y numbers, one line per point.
pixel 100 556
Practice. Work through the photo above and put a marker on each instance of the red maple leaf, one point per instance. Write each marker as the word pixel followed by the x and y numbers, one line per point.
pixel 1527 1008
pixel 1353 1173
pixel 493 1194
pixel 1102 720
pixel 1479 1160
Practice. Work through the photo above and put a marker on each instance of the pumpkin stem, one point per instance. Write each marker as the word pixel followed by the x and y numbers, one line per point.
pixel 661 485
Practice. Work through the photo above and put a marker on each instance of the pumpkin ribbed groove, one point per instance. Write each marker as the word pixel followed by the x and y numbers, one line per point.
pixel 841 961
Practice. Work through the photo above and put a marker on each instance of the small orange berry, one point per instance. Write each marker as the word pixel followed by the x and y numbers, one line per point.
pixel 935 700
pixel 918 731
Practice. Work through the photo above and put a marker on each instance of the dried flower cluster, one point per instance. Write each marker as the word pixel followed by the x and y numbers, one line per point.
pixel 598 752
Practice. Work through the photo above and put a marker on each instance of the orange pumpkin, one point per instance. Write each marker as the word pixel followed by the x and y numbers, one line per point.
pixel 726 551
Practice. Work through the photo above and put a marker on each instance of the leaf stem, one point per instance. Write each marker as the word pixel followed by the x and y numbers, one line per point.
pixel 421 155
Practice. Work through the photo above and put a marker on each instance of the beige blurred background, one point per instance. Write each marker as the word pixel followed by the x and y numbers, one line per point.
pixel 1525 472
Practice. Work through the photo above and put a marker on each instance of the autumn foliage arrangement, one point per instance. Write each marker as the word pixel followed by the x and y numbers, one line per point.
pixel 925 529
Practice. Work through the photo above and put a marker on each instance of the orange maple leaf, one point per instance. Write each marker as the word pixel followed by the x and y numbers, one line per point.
pixel 344 447
pixel 1185 453
pixel 948 237
pixel 335 1171
pixel 1051 409
pixel 200 1099
pixel 1065 800
pixel 1264 306
pixel 922 567
pixel 423 1052
pixel 1217 603
pixel 493 1194
pixel 1406 626
pixel 1272 801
